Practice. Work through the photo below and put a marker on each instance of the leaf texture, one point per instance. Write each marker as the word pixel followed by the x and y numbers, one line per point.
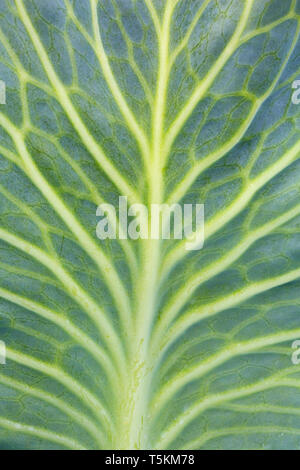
pixel 141 344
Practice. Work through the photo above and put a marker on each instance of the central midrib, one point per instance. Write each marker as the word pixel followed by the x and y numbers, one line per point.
pixel 135 424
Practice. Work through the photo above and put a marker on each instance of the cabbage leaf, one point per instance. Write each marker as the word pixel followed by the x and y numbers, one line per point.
pixel 141 344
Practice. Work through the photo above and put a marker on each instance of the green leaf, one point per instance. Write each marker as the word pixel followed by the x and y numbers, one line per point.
pixel 129 344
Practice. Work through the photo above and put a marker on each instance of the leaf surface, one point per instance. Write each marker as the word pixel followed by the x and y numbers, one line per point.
pixel 141 344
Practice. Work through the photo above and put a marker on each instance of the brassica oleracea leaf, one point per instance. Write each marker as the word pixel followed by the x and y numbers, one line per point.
pixel 143 344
